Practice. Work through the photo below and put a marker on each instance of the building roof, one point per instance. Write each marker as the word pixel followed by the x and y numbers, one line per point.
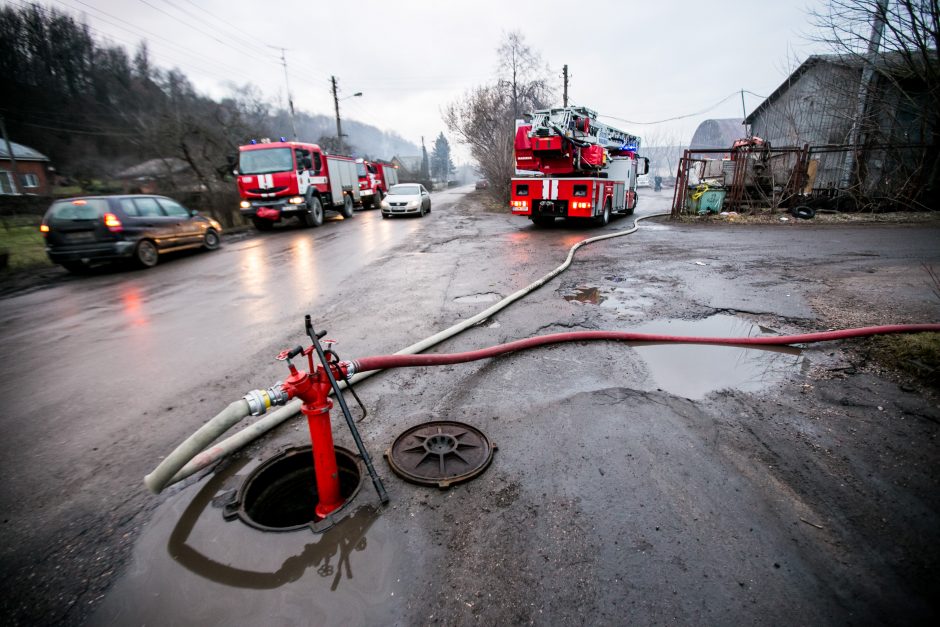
pixel 409 162
pixel 717 134
pixel 21 152
pixel 892 63
pixel 155 168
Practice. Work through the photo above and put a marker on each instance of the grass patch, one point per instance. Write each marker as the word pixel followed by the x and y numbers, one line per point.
pixel 24 245
pixel 916 354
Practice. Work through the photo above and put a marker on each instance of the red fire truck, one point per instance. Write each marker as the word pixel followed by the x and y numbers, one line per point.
pixel 574 167
pixel 375 177
pixel 278 180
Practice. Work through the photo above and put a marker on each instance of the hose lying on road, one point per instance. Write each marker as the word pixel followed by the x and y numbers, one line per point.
pixel 198 460
pixel 191 446
pixel 384 362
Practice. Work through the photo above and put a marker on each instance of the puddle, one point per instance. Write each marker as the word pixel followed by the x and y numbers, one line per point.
pixel 487 297
pixel 693 371
pixel 627 301
pixel 192 567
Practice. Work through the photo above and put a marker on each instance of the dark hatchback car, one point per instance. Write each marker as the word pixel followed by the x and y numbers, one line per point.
pixel 84 231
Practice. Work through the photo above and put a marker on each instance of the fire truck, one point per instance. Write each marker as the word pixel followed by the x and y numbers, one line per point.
pixel 282 179
pixel 375 177
pixel 570 165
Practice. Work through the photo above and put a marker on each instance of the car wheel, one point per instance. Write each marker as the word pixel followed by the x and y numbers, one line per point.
pixel 347 211
pixel 429 206
pixel 315 208
pixel 146 254
pixel 211 240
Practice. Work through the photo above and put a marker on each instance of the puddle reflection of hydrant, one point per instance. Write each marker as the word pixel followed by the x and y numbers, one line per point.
pixel 339 540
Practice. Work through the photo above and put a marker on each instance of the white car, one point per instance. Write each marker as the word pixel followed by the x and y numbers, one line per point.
pixel 643 180
pixel 406 199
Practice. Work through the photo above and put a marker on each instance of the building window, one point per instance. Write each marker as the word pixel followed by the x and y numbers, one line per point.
pixel 6 182
pixel 29 180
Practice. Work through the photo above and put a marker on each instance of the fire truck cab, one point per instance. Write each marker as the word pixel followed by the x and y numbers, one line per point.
pixel 279 180
pixel 375 177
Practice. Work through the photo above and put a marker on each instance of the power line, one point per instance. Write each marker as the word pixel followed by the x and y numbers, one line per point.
pixel 688 115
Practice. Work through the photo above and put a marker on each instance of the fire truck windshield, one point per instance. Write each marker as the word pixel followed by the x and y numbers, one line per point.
pixel 266 161
pixel 361 170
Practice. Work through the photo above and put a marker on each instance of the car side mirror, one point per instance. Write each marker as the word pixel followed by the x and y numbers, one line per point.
pixel 235 171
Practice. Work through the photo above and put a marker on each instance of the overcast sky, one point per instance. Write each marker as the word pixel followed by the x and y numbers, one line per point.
pixel 641 61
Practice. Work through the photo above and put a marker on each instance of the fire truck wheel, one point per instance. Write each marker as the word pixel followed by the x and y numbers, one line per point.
pixel 315 215
pixel 604 218
pixel 543 220
pixel 377 199
pixel 347 211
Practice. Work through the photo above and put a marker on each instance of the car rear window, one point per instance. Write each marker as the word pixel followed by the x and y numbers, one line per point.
pixel 79 209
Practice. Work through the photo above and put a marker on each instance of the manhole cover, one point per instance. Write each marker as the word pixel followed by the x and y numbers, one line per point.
pixel 440 453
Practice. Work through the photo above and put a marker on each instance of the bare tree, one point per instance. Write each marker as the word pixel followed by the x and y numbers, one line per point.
pixel 484 119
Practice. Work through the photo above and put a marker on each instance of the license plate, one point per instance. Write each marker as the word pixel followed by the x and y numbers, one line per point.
pixel 77 238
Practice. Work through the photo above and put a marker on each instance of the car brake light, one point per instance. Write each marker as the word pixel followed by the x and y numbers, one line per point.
pixel 43 228
pixel 113 223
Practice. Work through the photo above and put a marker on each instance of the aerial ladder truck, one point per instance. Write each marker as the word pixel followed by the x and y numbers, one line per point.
pixel 570 165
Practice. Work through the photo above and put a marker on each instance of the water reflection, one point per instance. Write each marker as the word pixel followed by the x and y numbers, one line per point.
pixel 339 542
pixel 695 370
pixel 132 302
pixel 304 272
pixel 254 270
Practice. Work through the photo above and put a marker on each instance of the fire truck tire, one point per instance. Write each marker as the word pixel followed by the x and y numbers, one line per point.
pixel 604 218
pixel 315 212
pixel 347 210
pixel 543 220
pixel 262 225
pixel 377 199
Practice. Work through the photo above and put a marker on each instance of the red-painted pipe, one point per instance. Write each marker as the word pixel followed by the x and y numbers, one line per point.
pixel 382 362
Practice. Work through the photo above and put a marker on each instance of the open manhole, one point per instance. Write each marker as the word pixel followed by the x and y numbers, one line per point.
pixel 440 453
pixel 281 493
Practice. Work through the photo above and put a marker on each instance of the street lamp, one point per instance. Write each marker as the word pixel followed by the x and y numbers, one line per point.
pixel 339 126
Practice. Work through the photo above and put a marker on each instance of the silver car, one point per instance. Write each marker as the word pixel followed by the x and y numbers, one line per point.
pixel 406 199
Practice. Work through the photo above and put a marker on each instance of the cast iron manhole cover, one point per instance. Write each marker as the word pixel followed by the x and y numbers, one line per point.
pixel 440 453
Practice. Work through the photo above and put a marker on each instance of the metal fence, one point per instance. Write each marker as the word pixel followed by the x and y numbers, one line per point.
pixel 845 177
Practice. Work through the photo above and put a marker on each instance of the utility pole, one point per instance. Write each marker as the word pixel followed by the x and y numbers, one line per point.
pixel 744 115
pixel 339 126
pixel 564 72
pixel 6 139
pixel 290 100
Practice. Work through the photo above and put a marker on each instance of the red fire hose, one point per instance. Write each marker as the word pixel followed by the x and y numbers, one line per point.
pixel 382 362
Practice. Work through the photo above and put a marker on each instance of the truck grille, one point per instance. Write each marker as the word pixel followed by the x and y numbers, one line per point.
pixel 270 190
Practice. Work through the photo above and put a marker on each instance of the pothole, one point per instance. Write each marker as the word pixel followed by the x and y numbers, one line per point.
pixel 695 370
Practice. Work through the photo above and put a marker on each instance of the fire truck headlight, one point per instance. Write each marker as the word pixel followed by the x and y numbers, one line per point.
pixel 244 204
pixel 296 200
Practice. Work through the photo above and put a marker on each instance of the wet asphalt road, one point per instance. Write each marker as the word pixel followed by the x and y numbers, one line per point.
pixel 618 494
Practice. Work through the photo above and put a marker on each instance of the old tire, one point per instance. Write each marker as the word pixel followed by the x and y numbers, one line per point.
pixel 803 212
pixel 347 210
pixel 146 254
pixel 211 240
pixel 262 225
